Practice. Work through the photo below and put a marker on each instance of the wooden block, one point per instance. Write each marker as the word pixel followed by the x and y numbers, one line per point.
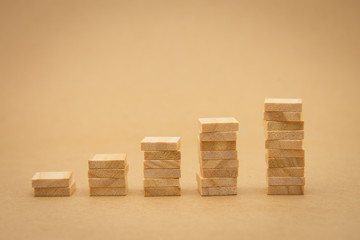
pixel 108 191
pixel 282 105
pixel 219 172
pixel 285 135
pixel 285 190
pixel 285 153
pixel 219 163
pixel 216 182
pixel 218 146
pixel 160 144
pixel 162 155
pixel 282 116
pixel 162 173
pixel 218 124
pixel 51 179
pixel 285 172
pixel 284 181
pixel 108 173
pixel 278 126
pixel 161 182
pixel 162 163
pixel 215 155
pixel 108 161
pixel 284 144
pixel 285 162
pixel 107 182
pixel 218 136
pixel 215 191
pixel 162 191
pixel 55 191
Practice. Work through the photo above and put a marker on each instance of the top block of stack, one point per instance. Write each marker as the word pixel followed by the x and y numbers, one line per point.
pixel 160 144
pixel 208 125
pixel 108 161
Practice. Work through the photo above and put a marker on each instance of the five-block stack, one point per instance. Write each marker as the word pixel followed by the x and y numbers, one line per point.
pixel 108 175
pixel 285 156
pixel 218 156
pixel 162 161
pixel 53 184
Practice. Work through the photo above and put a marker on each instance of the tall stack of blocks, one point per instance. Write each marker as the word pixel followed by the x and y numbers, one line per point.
pixel 218 156
pixel 285 156
pixel 53 184
pixel 162 162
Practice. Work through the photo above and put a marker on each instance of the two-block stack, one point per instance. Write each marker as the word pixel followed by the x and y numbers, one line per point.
pixel 162 161
pixel 285 156
pixel 53 184
pixel 108 175
pixel 218 156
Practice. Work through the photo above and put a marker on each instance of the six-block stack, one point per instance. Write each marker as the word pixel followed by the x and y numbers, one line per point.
pixel 218 156
pixel 53 184
pixel 285 156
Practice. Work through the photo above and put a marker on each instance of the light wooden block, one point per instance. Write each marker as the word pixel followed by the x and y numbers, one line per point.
pixel 216 182
pixel 285 172
pixel 282 116
pixel 218 146
pixel 218 136
pixel 284 144
pixel 162 163
pixel 108 173
pixel 219 163
pixel 285 190
pixel 215 155
pixel 284 181
pixel 107 182
pixel 108 161
pixel 55 191
pixel 282 105
pixel 285 162
pixel 285 135
pixel 160 144
pixel 162 173
pixel 279 126
pixel 51 179
pixel 108 191
pixel 162 155
pixel 219 173
pixel 162 191
pixel 285 153
pixel 228 124
pixel 215 191
pixel 161 182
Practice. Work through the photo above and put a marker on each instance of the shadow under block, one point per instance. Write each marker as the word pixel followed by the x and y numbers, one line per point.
pixel 219 163
pixel 214 155
pixel 283 181
pixel 108 161
pixel 285 162
pixel 160 144
pixel 285 135
pixel 284 144
pixel 107 182
pixel 285 172
pixel 108 191
pixel 51 179
pixel 285 190
pixel 285 153
pixel 55 191
pixel 162 155
pixel 162 182
pixel 162 191
pixel 279 126
pixel 219 173
pixel 218 146
pixel 162 163
pixel 282 105
pixel 228 124
pixel 108 173
pixel 282 116
pixel 218 136
pixel 162 173
pixel 216 182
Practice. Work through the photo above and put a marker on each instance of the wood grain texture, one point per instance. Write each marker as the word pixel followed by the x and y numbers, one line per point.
pixel 108 161
pixel 282 116
pixel 216 182
pixel 284 144
pixel 108 173
pixel 55 191
pixel 285 153
pixel 228 124
pixel 219 173
pixel 215 155
pixel 215 191
pixel 108 191
pixel 162 164
pixel 162 155
pixel 218 136
pixel 285 172
pixel 107 182
pixel 283 181
pixel 162 191
pixel 160 144
pixel 162 173
pixel 219 163
pixel 285 135
pixel 218 146
pixel 51 179
pixel 285 190
pixel 161 182
pixel 278 126
pixel 282 105
pixel 285 162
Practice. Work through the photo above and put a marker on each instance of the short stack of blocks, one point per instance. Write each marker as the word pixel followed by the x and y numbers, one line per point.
pixel 285 156
pixel 218 156
pixel 53 184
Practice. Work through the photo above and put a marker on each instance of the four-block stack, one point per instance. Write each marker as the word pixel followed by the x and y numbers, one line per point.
pixel 285 156
pixel 218 156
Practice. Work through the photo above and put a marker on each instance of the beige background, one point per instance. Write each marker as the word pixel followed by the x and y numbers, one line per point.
pixel 84 77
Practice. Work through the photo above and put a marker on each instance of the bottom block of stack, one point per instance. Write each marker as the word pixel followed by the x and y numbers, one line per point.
pixel 285 190
pixel 162 191
pixel 108 191
pixel 216 186
pixel 55 191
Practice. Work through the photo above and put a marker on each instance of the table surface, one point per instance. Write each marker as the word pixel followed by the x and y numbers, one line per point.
pixel 85 77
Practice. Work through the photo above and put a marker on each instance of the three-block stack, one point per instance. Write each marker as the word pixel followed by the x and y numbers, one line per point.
pixel 218 156
pixel 108 175
pixel 162 161
pixel 285 156
pixel 53 184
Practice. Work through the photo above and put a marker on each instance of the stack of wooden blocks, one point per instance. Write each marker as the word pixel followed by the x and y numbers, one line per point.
pixel 218 156
pixel 53 184
pixel 162 161
pixel 108 175
pixel 285 156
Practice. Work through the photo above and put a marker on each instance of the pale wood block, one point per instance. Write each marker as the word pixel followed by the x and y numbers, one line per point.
pixel 285 172
pixel 219 172
pixel 278 126
pixel 218 136
pixel 284 144
pixel 161 182
pixel 107 182
pixel 162 173
pixel 284 153
pixel 162 191
pixel 160 144
pixel 55 191
pixel 162 155
pixel 218 146
pixel 216 182
pixel 219 163
pixel 284 181
pixel 285 135
pixel 162 163
pixel 215 191
pixel 51 179
pixel 108 173
pixel 285 162
pixel 108 191
pixel 228 124
pixel 282 105
pixel 285 190
pixel 215 155
pixel 108 161
pixel 282 116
